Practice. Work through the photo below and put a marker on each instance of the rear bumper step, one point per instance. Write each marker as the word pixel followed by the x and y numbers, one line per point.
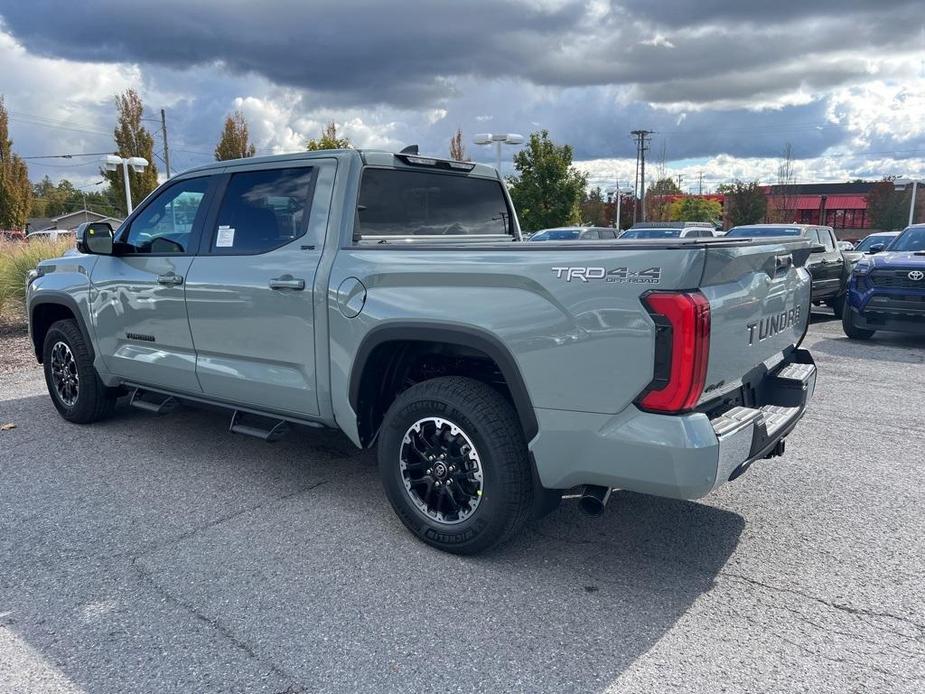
pixel 747 434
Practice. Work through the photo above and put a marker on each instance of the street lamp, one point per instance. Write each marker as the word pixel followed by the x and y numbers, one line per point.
pixel 111 162
pixel 618 191
pixel 498 139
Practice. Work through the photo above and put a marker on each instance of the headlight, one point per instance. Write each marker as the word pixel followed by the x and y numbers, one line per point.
pixel 862 269
pixel 33 275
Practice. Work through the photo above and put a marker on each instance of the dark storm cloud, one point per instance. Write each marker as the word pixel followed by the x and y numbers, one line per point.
pixel 677 13
pixel 369 51
pixel 411 52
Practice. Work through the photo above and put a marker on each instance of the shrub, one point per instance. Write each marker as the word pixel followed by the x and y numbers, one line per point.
pixel 16 259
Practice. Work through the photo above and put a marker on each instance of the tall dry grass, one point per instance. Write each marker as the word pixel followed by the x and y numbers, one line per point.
pixel 16 259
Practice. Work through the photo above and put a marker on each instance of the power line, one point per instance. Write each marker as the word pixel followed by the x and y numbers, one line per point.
pixel 67 156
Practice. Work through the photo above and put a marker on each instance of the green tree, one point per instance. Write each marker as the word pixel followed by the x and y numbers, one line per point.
pixel 745 202
pixel 235 140
pixel 328 140
pixel 695 209
pixel 546 190
pixel 15 189
pixel 888 208
pixel 132 140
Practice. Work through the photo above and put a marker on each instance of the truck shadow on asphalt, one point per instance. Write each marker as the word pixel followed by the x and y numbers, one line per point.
pixel 223 563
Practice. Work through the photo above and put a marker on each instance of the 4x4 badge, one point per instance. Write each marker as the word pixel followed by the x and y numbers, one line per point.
pixel 619 275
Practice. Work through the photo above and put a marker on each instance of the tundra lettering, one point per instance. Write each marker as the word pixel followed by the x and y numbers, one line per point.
pixel 773 325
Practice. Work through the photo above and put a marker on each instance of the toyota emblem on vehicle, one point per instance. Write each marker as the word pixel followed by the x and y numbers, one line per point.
pixel 916 275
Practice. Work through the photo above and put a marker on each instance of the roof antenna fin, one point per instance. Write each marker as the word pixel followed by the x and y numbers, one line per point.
pixel 410 149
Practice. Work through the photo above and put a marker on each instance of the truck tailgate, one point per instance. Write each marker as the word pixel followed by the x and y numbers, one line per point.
pixel 759 298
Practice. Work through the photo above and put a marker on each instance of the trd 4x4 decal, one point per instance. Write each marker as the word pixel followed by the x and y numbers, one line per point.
pixel 619 275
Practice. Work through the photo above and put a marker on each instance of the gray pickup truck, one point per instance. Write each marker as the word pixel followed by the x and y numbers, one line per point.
pixel 389 295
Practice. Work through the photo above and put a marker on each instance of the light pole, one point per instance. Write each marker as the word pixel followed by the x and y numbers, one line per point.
pixel 498 139
pixel 138 164
pixel 619 193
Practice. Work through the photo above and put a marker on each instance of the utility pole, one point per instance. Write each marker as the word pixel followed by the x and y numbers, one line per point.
pixel 701 184
pixel 680 181
pixel 164 133
pixel 642 146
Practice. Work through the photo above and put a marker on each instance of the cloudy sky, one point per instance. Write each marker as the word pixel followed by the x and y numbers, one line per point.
pixel 726 84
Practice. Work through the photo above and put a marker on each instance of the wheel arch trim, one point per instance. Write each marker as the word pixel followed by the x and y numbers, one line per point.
pixel 447 333
pixel 68 302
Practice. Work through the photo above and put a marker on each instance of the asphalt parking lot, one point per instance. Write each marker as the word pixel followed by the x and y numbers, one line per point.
pixel 152 554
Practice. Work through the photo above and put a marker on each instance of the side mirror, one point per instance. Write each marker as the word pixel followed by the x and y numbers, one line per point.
pixel 876 248
pixel 95 238
pixel 818 248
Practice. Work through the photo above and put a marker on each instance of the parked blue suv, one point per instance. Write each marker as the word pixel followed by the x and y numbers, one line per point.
pixel 886 291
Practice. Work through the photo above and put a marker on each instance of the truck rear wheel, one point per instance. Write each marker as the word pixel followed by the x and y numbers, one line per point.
pixel 454 464
pixel 851 330
pixel 75 388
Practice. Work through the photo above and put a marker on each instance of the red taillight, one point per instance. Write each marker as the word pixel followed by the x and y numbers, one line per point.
pixel 682 347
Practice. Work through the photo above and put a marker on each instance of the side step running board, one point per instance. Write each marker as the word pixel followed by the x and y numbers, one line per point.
pixel 164 405
pixel 262 428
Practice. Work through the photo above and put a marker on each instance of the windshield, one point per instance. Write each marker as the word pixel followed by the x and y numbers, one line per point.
pixel 557 235
pixel 871 240
pixel 651 234
pixel 910 240
pixel 756 232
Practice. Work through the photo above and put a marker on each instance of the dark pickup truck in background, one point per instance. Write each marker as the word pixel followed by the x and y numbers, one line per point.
pixel 828 265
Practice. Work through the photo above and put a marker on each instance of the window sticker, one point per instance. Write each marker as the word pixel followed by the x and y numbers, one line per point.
pixel 225 237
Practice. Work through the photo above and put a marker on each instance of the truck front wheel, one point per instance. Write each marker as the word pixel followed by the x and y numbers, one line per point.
pixel 454 464
pixel 851 330
pixel 75 388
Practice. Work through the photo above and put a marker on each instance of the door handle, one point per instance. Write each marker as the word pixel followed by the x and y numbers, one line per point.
pixel 170 278
pixel 287 282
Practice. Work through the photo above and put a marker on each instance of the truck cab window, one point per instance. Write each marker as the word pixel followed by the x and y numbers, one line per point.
pixel 165 225
pixel 418 203
pixel 262 210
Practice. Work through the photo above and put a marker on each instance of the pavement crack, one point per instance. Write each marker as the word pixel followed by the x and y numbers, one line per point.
pixel 848 609
pixel 215 522
pixel 224 631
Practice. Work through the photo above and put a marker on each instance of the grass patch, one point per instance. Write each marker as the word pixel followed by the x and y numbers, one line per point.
pixel 16 259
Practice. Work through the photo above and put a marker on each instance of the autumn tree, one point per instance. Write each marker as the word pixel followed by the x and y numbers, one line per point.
pixel 15 189
pixel 745 202
pixel 457 149
pixel 328 140
pixel 235 141
pixel 595 210
pixel 546 188
pixel 659 197
pixel 132 140
pixel 887 207
pixel 695 209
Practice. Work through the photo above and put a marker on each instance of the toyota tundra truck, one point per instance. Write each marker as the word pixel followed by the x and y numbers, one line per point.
pixel 390 296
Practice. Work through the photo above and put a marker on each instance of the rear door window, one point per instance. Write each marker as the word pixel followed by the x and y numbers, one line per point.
pixel 422 203
pixel 262 210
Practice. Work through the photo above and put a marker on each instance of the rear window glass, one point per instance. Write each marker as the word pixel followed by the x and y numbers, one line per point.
pixel 651 234
pixel 758 232
pixel 557 235
pixel 420 203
